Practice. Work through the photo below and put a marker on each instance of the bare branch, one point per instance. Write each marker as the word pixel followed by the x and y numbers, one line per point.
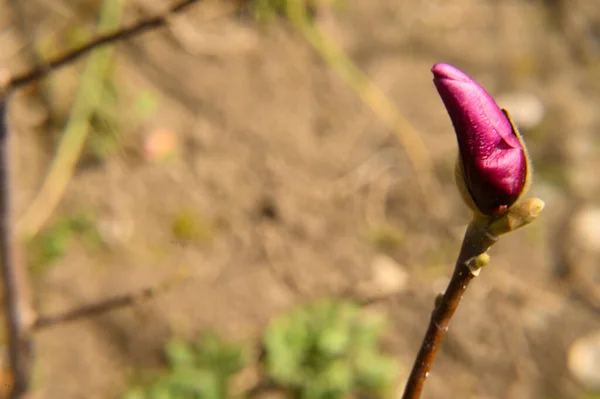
pixel 443 312
pixel 479 237
pixel 123 33
pixel 109 304
pixel 14 278
pixel 20 315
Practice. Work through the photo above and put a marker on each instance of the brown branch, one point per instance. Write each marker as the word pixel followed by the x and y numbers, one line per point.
pixel 17 305
pixel 32 56
pixel 481 234
pixel 19 313
pixel 109 304
pixel 475 240
pixel 123 33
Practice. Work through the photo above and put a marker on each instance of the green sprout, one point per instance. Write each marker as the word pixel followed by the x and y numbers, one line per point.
pixel 199 370
pixel 52 243
pixel 190 227
pixel 327 351
pixel 385 237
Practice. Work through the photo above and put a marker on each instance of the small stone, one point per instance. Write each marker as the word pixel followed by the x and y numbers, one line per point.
pixel 388 277
pixel 115 230
pixel 586 225
pixel 584 360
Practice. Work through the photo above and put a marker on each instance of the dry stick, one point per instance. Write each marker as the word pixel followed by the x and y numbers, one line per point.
pixel 123 33
pixel 88 99
pixel 33 55
pixel 474 241
pixel 14 282
pixel 481 234
pixel 95 309
pixel 109 304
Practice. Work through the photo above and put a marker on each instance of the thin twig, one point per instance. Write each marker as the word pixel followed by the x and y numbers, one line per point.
pixel 123 33
pixel 14 279
pixel 33 56
pixel 110 304
pixel 88 99
pixel 481 234
pixel 475 242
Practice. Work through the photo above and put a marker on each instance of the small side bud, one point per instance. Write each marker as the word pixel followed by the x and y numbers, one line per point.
pixel 517 217
pixel 476 263
pixel 438 299
pixel 482 260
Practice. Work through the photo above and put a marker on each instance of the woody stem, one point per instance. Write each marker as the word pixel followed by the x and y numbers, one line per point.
pixel 476 242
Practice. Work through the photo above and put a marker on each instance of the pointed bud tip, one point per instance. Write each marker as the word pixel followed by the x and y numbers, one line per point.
pixel 536 206
pixel 447 71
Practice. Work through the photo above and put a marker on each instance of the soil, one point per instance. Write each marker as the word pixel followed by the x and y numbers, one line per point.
pixel 295 183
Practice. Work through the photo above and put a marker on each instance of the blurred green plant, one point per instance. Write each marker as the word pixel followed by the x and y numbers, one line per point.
pixel 54 241
pixel 105 124
pixel 108 121
pixel 89 97
pixel 587 395
pixel 266 11
pixel 54 44
pixel 146 104
pixel 328 350
pixel 189 227
pixel 385 237
pixel 199 370
pixel 95 120
pixel 590 395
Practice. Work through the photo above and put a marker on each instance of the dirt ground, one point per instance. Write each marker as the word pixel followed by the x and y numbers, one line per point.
pixel 297 182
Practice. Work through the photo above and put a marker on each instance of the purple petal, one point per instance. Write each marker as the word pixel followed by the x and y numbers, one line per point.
pixel 494 161
pixel 474 100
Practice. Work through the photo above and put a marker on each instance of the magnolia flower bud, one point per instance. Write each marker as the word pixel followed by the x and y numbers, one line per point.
pixel 492 171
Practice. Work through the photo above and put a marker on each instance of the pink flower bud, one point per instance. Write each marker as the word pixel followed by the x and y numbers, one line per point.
pixel 493 165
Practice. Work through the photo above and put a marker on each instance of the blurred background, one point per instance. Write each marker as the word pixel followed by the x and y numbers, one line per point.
pixel 291 167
